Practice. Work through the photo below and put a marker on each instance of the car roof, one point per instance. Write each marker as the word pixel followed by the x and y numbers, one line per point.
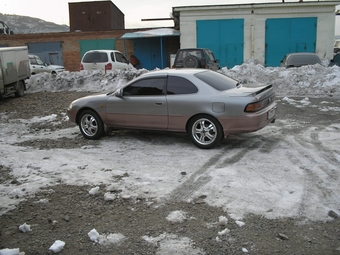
pixel 194 49
pixel 176 71
pixel 102 51
pixel 301 53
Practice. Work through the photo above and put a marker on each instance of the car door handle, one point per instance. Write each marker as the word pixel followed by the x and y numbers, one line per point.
pixel 159 103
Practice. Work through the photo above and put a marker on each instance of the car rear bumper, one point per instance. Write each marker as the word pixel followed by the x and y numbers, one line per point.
pixel 250 122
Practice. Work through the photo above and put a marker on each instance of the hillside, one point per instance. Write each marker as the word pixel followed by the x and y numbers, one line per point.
pixel 29 25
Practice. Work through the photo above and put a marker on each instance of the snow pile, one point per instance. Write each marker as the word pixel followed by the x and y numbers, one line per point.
pixel 25 228
pixel 223 221
pixel 94 191
pixel 177 216
pixel 306 80
pixel 57 246
pixel 313 80
pixel 11 252
pixel 93 235
pixel 172 244
pixel 113 238
pixel 224 232
pixel 94 81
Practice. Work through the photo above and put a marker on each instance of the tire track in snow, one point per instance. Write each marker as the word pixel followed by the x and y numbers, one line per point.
pixel 315 161
pixel 201 177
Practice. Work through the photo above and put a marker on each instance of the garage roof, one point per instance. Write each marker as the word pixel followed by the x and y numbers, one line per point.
pixel 160 32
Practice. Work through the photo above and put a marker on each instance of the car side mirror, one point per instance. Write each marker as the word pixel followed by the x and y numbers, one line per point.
pixel 119 93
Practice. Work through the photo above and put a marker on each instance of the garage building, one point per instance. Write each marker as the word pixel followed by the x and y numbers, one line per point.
pixel 265 32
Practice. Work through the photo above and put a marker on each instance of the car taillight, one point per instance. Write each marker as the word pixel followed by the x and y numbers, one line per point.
pixel 254 107
pixel 108 67
pixel 257 106
pixel 81 67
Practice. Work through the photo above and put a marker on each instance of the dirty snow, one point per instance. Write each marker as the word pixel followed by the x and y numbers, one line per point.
pixel 154 170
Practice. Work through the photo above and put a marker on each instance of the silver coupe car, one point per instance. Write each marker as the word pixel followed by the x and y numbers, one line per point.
pixel 207 105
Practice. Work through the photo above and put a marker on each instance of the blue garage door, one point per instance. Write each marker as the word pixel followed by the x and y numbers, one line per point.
pixel 49 52
pixel 289 35
pixel 224 37
pixel 151 52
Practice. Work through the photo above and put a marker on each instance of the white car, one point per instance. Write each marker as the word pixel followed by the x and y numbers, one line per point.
pixel 106 60
pixel 39 66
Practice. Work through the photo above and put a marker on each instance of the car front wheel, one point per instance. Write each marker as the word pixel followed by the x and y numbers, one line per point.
pixel 205 131
pixel 91 125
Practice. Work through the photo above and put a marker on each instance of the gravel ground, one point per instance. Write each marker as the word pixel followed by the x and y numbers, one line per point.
pixel 71 212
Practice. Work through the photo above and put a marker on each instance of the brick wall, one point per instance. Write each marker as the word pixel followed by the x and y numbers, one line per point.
pixel 70 43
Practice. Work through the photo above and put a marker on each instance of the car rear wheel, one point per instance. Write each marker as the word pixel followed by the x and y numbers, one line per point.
pixel 191 62
pixel 21 89
pixel 91 125
pixel 205 131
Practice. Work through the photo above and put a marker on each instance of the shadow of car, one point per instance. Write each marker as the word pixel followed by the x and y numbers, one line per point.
pixel 300 59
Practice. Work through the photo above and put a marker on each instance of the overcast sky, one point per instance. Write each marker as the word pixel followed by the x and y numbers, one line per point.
pixel 57 10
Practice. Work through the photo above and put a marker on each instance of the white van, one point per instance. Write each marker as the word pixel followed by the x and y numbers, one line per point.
pixel 106 60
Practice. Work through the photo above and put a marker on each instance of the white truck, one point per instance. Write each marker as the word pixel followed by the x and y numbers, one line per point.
pixel 14 70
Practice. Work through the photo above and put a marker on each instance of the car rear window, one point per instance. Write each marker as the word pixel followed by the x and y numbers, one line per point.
pixel 95 57
pixel 303 59
pixel 217 81
pixel 179 86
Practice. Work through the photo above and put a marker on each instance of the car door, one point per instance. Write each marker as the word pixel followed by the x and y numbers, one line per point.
pixel 38 66
pixel 120 62
pixel 141 104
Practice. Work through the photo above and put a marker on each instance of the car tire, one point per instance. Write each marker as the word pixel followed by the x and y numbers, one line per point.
pixel 91 125
pixel 205 131
pixel 21 89
pixel 191 62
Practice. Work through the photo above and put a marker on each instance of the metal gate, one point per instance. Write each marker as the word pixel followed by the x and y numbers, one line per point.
pixel 102 44
pixel 224 37
pixel 289 35
pixel 49 52
pixel 151 52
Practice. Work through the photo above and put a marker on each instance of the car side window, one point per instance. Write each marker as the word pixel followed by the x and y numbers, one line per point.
pixel 33 61
pixel 112 56
pixel 209 56
pixel 120 58
pixel 145 87
pixel 39 62
pixel 179 86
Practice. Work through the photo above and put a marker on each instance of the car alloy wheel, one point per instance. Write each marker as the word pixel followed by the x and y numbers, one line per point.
pixel 91 125
pixel 205 131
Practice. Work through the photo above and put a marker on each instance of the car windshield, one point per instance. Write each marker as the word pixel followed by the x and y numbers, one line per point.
pixel 217 81
pixel 95 57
